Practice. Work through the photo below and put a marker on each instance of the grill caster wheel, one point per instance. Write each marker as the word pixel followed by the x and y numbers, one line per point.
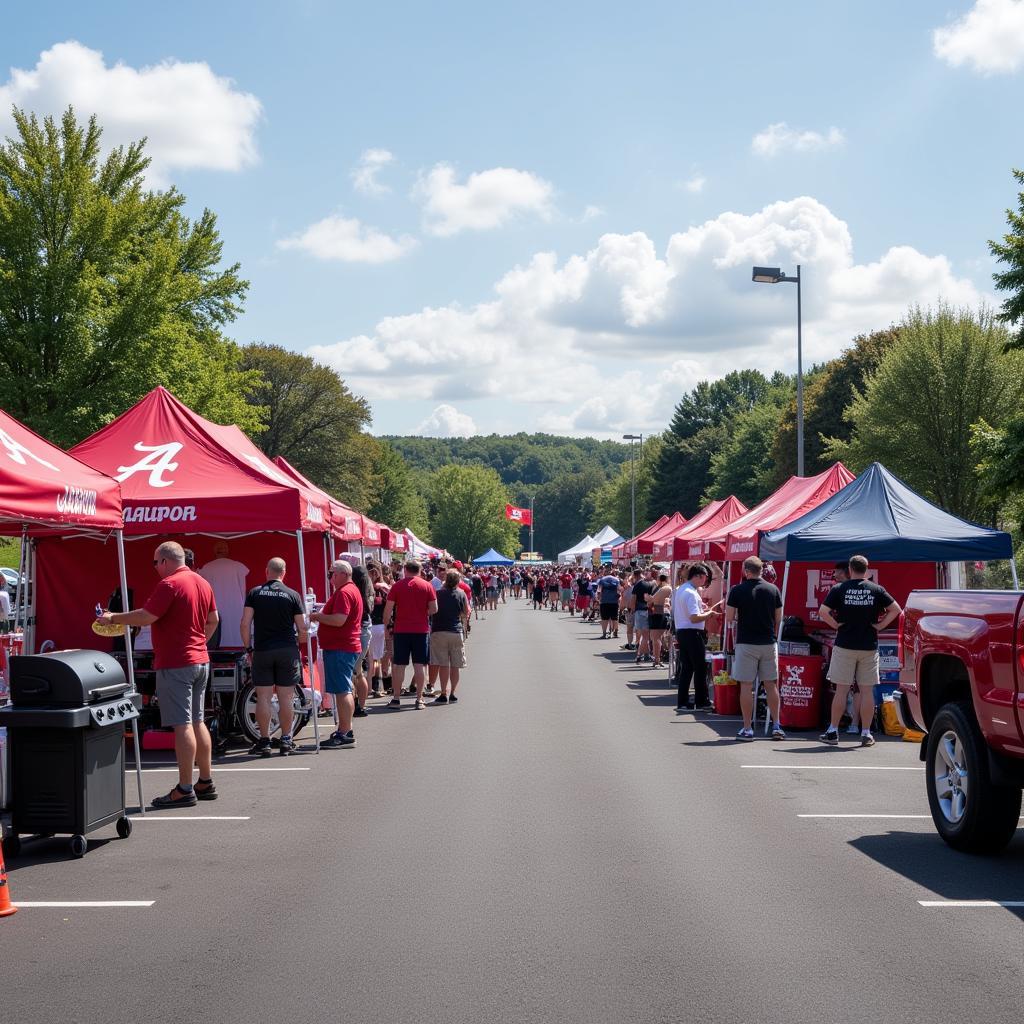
pixel 79 844
pixel 12 845
pixel 124 827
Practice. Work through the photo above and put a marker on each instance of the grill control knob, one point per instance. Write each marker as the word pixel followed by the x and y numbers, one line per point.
pixel 99 713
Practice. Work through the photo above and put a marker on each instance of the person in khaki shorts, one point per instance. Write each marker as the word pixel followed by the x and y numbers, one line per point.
pixel 852 609
pixel 755 605
pixel 448 627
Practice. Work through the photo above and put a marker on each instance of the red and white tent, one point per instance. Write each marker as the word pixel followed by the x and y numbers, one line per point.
pixel 799 494
pixel 687 543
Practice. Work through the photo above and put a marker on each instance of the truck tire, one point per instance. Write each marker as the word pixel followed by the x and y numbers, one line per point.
pixel 970 812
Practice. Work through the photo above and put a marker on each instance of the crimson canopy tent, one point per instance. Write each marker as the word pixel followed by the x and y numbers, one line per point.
pixel 799 494
pixel 628 547
pixel 687 543
pixel 45 491
pixel 346 523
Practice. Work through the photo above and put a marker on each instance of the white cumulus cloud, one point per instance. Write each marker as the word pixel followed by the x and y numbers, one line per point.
pixel 447 421
pixel 364 174
pixel 989 38
pixel 487 199
pixel 347 240
pixel 779 137
pixel 607 340
pixel 191 117
pixel 694 184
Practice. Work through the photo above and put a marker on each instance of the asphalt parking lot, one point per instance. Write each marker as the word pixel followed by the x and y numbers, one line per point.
pixel 560 845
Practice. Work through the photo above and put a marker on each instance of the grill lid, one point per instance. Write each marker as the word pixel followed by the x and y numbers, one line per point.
pixel 65 679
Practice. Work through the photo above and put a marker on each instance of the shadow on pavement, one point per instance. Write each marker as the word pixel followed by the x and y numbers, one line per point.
pixel 926 860
pixel 657 700
pixel 55 849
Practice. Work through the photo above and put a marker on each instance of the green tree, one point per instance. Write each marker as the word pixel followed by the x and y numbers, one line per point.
pixel 745 464
pixel 314 421
pixel 561 510
pixel 106 289
pixel 700 422
pixel 467 513
pixel 828 391
pixel 396 501
pixel 947 373
pixel 1010 252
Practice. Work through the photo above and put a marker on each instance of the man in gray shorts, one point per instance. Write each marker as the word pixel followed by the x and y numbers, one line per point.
pixel 755 605
pixel 277 615
pixel 183 615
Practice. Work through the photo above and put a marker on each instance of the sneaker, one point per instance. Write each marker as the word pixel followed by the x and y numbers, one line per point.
pixel 867 740
pixel 339 740
pixel 453 699
pixel 778 734
pixel 745 735
pixel 287 746
pixel 420 704
pixel 360 712
pixel 831 737
pixel 706 706
pixel 377 693
pixel 441 699
pixel 261 747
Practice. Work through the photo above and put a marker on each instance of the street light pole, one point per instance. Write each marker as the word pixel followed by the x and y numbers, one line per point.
pixel 632 480
pixel 773 275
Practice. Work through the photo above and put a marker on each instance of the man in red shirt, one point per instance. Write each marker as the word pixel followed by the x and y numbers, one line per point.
pixel 339 638
pixel 411 602
pixel 183 615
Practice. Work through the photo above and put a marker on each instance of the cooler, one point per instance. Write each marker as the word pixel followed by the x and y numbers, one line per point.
pixel 800 685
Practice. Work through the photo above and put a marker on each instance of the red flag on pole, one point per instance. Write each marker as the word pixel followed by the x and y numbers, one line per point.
pixel 522 516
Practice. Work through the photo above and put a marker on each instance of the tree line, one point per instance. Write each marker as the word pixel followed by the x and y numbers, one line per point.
pixel 108 289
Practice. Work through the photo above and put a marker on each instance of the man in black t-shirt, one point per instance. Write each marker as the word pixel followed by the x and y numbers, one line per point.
pixel 755 605
pixel 640 591
pixel 852 609
pixel 278 615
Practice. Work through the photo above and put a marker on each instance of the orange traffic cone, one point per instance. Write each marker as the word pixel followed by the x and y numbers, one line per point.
pixel 6 907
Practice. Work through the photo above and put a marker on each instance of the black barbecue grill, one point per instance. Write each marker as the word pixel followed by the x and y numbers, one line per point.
pixel 66 728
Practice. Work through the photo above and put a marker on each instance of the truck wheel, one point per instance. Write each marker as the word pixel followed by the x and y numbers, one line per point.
pixel 970 812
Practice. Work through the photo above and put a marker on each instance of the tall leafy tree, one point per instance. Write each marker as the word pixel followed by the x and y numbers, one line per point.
pixel 745 465
pixel 828 391
pixel 562 510
pixel 314 421
pixel 107 289
pixel 1010 253
pixel 947 373
pixel 396 500
pixel 467 512
pixel 613 501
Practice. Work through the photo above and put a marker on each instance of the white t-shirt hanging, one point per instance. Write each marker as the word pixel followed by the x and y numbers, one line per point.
pixel 227 577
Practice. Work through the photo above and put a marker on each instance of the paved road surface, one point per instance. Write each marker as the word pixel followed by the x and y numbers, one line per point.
pixel 559 846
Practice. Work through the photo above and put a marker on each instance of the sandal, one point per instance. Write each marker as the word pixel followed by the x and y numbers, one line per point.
pixel 176 798
pixel 205 790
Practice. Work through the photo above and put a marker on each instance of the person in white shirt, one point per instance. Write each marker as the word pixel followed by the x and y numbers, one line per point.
pixel 5 609
pixel 228 580
pixel 690 613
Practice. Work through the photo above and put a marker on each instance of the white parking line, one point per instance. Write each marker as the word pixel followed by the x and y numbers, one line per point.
pixel 840 767
pixel 963 904
pixel 188 817
pixel 85 904
pixel 218 769
pixel 864 816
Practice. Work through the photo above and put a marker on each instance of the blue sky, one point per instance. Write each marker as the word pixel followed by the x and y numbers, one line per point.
pixel 559 204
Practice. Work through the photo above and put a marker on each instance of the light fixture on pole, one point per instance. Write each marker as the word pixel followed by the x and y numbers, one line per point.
pixel 632 479
pixel 773 275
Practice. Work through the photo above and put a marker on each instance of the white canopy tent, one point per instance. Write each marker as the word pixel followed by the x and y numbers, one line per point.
pixel 607 538
pixel 583 547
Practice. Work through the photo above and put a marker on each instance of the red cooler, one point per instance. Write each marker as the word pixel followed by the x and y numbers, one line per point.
pixel 800 683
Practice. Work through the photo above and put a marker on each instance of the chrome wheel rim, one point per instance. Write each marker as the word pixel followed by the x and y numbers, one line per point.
pixel 949 774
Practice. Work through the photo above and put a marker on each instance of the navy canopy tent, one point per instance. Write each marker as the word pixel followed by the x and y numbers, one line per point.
pixel 492 557
pixel 880 517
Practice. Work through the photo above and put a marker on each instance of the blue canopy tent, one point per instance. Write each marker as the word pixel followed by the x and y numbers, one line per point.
pixel 880 517
pixel 493 557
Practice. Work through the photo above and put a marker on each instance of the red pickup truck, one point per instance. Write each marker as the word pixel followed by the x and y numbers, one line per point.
pixel 962 683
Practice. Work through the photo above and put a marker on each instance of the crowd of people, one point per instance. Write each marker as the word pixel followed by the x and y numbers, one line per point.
pixel 378 620
pixel 657 615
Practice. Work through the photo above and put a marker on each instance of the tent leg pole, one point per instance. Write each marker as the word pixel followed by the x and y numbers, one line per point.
pixel 30 597
pixel 309 648
pixel 21 589
pixel 785 585
pixel 123 572
pixel 1013 573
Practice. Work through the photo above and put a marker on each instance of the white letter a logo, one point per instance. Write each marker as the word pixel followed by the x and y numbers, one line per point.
pixel 157 463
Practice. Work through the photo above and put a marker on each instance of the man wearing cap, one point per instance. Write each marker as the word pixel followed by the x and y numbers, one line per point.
pixel 339 637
